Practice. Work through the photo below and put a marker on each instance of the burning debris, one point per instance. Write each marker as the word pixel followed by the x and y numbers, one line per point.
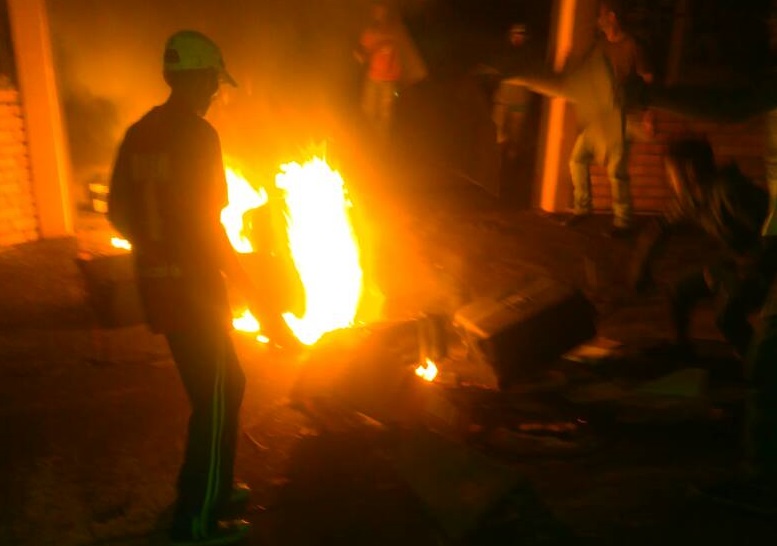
pixel 315 246
pixel 428 370
pixel 323 246
pixel 298 237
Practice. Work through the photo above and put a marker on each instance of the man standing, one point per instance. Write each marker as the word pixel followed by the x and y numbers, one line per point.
pixel 167 190
pixel 603 137
pixel 380 51
pixel 511 101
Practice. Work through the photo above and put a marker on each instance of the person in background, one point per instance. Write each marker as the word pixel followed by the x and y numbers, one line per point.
pixel 166 194
pixel 730 208
pixel 379 50
pixel 626 61
pixel 511 102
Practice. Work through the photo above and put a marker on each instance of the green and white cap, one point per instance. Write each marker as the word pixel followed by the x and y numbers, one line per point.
pixel 192 50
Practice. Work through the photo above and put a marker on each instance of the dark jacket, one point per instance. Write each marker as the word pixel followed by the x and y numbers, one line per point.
pixel 167 191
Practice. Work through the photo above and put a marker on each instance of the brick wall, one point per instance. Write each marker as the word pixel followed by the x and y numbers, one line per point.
pixel 18 218
pixel 741 142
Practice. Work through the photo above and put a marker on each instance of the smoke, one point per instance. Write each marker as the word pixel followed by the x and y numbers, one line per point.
pixel 292 59
pixel 298 79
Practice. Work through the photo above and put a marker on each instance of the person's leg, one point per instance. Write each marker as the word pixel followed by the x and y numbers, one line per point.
pixel 387 94
pixel 684 297
pixel 499 114
pixel 579 162
pixel 761 432
pixel 770 162
pixel 234 388
pixel 215 391
pixel 370 96
pixel 618 172
pixel 516 121
pixel 755 488
pixel 737 298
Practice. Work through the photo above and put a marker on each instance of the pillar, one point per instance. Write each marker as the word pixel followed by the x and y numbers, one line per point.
pixel 49 158
pixel 573 30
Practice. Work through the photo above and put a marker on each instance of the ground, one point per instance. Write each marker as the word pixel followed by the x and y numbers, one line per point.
pixel 93 420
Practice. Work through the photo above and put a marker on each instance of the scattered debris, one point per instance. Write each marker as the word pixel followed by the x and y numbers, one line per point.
pixel 595 351
pixel 525 444
pixel 689 382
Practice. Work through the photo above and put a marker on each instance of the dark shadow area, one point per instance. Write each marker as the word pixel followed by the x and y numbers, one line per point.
pixel 40 299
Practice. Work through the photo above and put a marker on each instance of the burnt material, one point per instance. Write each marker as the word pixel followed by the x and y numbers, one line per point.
pixel 520 333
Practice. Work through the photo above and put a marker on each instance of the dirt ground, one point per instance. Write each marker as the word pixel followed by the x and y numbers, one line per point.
pixel 92 421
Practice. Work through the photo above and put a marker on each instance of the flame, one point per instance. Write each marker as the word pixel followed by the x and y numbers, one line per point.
pixel 321 239
pixel 323 247
pixel 427 371
pixel 118 242
pixel 246 322
pixel 242 198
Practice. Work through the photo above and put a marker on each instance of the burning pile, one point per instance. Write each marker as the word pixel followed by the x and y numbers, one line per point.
pixel 322 244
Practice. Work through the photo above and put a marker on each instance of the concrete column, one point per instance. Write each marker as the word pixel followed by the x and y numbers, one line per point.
pixel 49 158
pixel 572 32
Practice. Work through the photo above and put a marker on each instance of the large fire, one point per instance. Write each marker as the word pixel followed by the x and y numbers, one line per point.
pixel 323 246
pixel 322 243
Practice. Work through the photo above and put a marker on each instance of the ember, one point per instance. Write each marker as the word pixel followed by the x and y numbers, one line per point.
pixel 427 371
pixel 123 244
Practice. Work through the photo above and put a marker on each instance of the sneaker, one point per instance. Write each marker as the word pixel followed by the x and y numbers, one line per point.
pixel 575 219
pixel 750 495
pixel 223 533
pixel 237 502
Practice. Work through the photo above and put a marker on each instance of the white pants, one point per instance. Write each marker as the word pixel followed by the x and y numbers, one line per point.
pixel 616 157
pixel 378 103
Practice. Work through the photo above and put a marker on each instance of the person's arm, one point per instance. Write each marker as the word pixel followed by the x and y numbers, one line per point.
pixel 360 52
pixel 642 66
pixel 544 82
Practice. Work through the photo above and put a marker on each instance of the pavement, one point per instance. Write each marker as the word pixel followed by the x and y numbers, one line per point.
pixel 92 420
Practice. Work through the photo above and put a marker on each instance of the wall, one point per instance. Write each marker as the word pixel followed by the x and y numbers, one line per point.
pixel 701 42
pixel 742 143
pixel 18 219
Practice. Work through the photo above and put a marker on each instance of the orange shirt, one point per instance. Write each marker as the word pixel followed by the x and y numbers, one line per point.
pixel 382 50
